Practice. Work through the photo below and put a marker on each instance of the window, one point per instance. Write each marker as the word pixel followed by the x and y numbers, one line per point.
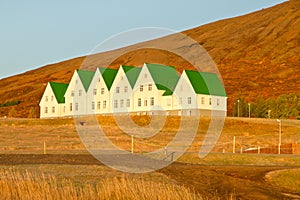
pixel 141 88
pixel 202 100
pixel 76 81
pixel 72 93
pixel 168 102
pixel 139 102
pixel 209 101
pixel 46 109
pixel 52 98
pixel 121 103
pixel 117 89
pixel 102 90
pixel 95 91
pixel 128 103
pixel 218 102
pixel 180 100
pixel 150 87
pixel 145 76
pixel 64 109
pixel 98 105
pixel 189 100
pixel 76 107
pixel 80 92
pixel 99 80
pixel 104 104
pixel 53 109
pixel 115 103
pixel 93 105
pixel 46 98
pixel 145 102
pixel 71 106
pixel 152 101
pixel 126 89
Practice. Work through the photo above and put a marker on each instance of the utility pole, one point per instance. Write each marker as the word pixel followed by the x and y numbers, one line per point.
pixel 238 107
pixel 279 135
pixel 233 145
pixel 249 105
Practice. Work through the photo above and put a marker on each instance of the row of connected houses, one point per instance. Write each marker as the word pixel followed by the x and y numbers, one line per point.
pixel 150 89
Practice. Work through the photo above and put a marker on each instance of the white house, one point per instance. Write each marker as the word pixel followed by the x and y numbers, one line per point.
pixel 98 94
pixel 122 100
pixel 76 101
pixel 198 93
pixel 153 89
pixel 52 103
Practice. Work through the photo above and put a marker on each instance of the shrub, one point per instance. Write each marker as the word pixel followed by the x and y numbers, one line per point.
pixel 10 103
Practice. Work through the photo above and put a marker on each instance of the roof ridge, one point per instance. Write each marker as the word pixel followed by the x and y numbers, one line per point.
pixel 205 83
pixel 86 78
pixel 59 90
pixel 165 77
pixel 132 74
pixel 109 75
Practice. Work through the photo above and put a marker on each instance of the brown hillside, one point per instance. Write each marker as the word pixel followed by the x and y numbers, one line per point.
pixel 257 54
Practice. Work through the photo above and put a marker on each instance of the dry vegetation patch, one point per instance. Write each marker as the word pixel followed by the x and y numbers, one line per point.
pixel 18 185
pixel 60 135
pixel 288 179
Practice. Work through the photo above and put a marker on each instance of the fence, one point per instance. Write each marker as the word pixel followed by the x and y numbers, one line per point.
pixel 283 149
pixel 137 147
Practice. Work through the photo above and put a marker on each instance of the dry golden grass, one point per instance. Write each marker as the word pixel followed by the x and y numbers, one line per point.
pixel 16 185
pixel 288 179
pixel 27 135
pixel 60 135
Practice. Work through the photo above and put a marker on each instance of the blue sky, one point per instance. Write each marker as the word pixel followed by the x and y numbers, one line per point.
pixel 35 33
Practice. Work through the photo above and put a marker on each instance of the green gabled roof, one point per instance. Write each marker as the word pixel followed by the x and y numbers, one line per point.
pixel 132 74
pixel 86 78
pixel 165 77
pixel 108 75
pixel 59 90
pixel 206 83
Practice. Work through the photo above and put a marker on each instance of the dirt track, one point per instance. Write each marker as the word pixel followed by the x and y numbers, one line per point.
pixel 244 182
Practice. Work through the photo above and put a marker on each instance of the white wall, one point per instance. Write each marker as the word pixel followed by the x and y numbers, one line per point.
pixel 145 93
pixel 121 94
pixel 98 96
pixel 49 107
pixel 78 101
pixel 184 96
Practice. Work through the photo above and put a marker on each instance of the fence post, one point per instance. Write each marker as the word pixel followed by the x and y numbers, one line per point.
pixel 45 148
pixel 166 151
pixel 172 156
pixel 241 150
pixel 132 144
pixel 258 149
pixel 233 145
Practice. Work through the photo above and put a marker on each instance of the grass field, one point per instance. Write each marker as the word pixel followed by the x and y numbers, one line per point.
pixel 288 179
pixel 60 135
pixel 220 175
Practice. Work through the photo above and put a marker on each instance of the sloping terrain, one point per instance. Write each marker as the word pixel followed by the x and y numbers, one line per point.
pixel 257 55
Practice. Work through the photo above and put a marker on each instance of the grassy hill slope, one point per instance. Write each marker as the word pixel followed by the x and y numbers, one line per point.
pixel 257 54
